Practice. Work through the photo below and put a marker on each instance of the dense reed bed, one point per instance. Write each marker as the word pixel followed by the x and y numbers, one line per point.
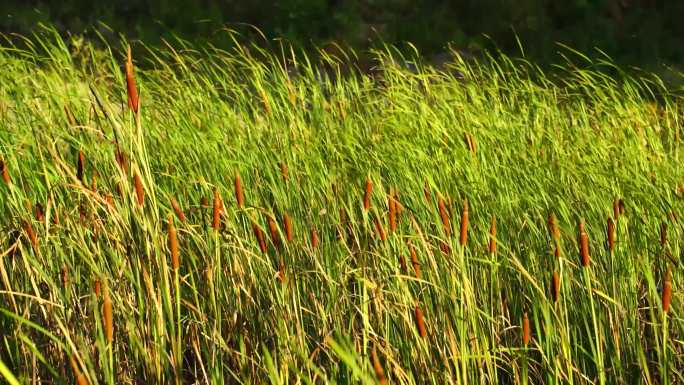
pixel 209 216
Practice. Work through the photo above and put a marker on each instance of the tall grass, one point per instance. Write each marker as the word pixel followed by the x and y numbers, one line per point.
pixel 120 290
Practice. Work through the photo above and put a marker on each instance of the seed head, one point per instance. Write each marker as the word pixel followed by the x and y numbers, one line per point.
pixel 173 245
pixel 287 221
pixel 526 330
pixel 420 322
pixel 177 209
pixel 492 236
pixel 107 316
pixel 139 191
pixel 130 83
pixel 444 215
pixel 218 205
pixel 464 224
pixel 367 195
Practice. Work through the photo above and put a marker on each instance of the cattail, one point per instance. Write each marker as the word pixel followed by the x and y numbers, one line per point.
pixel 5 172
pixel 492 236
pixel 663 234
pixel 173 245
pixel 70 117
pixel 40 216
pixel 107 316
pixel 584 245
pixel 273 228
pixel 78 375
pixel 377 367
pixel 621 206
pixel 526 330
pixel 177 209
pixel 31 234
pixel 379 229
pixel 402 264
pixel 367 196
pixel 667 291
pixel 109 200
pixel 93 186
pixel 397 203
pixel 97 287
pixel 420 323
pixel 284 171
pixel 414 261
pixel 239 195
pixel 314 239
pixel 444 214
pixel 616 209
pixel 121 160
pixel 281 270
pixel 444 247
pixel 611 235
pixel 464 223
pixel 557 252
pixel 65 277
pixel 204 202
pixel 553 228
pixel 426 192
pixel 392 211
pixel 80 164
pixel 555 286
pixel 130 83
pixel 259 234
pixel 216 223
pixel 288 227
pixel 139 191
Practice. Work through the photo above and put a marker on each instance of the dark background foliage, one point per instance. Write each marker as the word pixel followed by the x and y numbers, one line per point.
pixel 644 33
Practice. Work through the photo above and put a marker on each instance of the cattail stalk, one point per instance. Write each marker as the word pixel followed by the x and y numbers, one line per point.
pixel 216 223
pixel 610 229
pixel 526 330
pixel 239 195
pixel 414 261
pixel 444 215
pixel 78 375
pixel 107 316
pixel 139 191
pixel 173 245
pixel 583 244
pixel 288 227
pixel 492 236
pixel 464 224
pixel 133 99
pixel 420 322
pixel 555 286
pixel 367 195
pixel 179 212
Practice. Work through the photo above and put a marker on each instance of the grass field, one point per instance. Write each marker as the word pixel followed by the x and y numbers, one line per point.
pixel 254 222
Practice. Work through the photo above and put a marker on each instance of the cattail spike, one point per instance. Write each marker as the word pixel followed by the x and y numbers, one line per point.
pixel 420 322
pixel 216 223
pixel 5 172
pixel 526 330
pixel 464 224
pixel 583 245
pixel 31 234
pixel 444 215
pixel 379 229
pixel 314 239
pixel 273 229
pixel 179 212
pixel 555 286
pixel 78 375
pixel 414 261
pixel 259 234
pixel 288 227
pixel 139 190
pixel 377 367
pixel 133 100
pixel 173 245
pixel 663 234
pixel 553 229
pixel 667 291
pixel 367 195
pixel 80 164
pixel 392 203
pixel 284 172
pixel 492 236
pixel 107 316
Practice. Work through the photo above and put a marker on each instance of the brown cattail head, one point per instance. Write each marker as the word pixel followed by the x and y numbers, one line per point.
pixel 492 236
pixel 239 195
pixel 107 316
pixel 392 203
pixel 218 205
pixel 555 286
pixel 464 223
pixel 621 206
pixel 380 231
pixel 444 215
pixel 139 190
pixel 402 264
pixel 667 291
pixel 177 210
pixel 663 234
pixel 130 83
pixel 31 233
pixel 553 229
pixel 377 367
pixel 287 221
pixel 525 330
pixel 259 234
pixel 583 245
pixel 420 322
pixel 314 239
pixel 78 375
pixel 616 209
pixel 122 160
pixel 557 251
pixel 80 164
pixel 284 172
pixel 40 215
pixel 610 229
pixel 414 261
pixel 273 229
pixel 281 270
pixel 367 195
pixel 173 245
pixel 97 287
pixel 5 172
pixel 204 202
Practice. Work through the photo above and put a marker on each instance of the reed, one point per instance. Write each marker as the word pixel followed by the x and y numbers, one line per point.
pixel 464 224
pixel 420 322
pixel 492 236
pixel 239 194
pixel 173 245
pixel 377 367
pixel 177 209
pixel 133 99
pixel 367 194
pixel 218 205
pixel 444 215
pixel 139 190
pixel 583 245
pixel 107 316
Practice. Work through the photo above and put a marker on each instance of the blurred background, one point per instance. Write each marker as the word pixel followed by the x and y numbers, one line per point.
pixel 643 33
